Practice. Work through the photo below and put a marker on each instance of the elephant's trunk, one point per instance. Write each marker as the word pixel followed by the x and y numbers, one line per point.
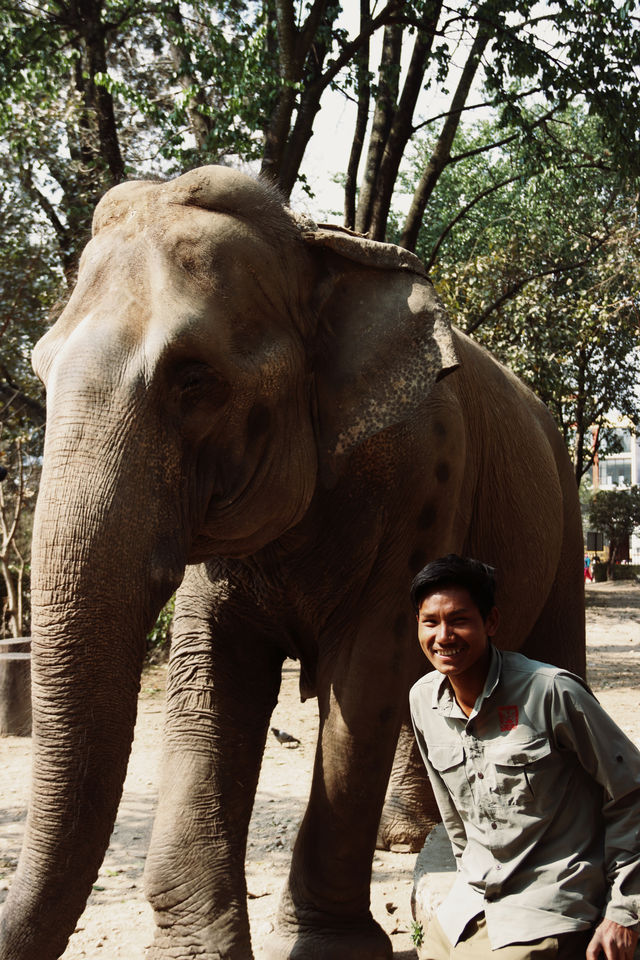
pixel 105 557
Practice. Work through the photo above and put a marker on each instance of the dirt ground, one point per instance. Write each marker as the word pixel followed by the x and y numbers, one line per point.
pixel 117 922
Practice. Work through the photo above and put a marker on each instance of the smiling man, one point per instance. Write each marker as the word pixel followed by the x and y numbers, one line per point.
pixel 539 790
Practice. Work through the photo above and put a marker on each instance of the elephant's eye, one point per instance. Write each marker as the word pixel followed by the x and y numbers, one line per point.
pixel 198 383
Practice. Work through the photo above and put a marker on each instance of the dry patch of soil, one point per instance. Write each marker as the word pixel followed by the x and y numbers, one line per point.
pixel 117 922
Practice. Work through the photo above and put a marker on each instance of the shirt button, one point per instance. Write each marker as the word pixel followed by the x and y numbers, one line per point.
pixel 494 826
pixel 481 776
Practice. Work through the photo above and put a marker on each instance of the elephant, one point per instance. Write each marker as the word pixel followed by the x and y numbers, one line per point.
pixel 277 420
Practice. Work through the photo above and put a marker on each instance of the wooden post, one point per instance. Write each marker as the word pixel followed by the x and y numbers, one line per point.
pixel 15 687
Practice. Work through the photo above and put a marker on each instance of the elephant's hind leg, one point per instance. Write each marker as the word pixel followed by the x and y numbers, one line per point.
pixel 223 685
pixel 558 635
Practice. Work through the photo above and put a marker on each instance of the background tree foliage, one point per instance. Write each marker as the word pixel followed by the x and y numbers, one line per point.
pixel 616 514
pixel 537 255
pixel 499 138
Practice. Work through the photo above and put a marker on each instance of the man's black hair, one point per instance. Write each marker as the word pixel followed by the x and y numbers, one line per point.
pixel 478 578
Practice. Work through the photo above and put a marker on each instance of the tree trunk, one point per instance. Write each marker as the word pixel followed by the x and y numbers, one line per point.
pixel 275 137
pixel 88 23
pixel 103 106
pixel 364 92
pixel 315 85
pixel 581 427
pixel 13 609
pixel 442 151
pixel 15 689
pixel 401 128
pixel 388 84
pixel 302 53
pixel 300 136
pixel 277 131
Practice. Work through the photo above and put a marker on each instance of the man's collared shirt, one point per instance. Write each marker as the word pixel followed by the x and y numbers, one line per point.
pixel 539 791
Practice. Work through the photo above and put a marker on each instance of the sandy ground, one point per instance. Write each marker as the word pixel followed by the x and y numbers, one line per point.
pixel 117 922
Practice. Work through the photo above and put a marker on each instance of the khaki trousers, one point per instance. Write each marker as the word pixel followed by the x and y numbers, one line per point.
pixel 475 945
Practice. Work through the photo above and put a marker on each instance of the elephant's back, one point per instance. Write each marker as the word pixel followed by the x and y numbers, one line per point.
pixel 520 482
pixel 498 405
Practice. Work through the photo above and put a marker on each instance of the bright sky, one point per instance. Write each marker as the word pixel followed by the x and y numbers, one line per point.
pixel 327 154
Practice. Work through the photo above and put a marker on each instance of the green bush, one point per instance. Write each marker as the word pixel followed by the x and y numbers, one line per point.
pixel 417 933
pixel 159 639
pixel 621 571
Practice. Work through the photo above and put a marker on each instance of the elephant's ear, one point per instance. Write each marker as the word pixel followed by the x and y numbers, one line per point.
pixel 384 336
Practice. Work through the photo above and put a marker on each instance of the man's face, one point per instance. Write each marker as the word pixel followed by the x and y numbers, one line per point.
pixel 453 636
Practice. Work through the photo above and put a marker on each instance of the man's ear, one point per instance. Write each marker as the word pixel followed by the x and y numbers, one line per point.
pixel 492 622
pixel 384 338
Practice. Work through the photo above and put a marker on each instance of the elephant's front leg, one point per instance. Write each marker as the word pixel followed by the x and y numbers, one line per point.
pixel 324 912
pixel 223 685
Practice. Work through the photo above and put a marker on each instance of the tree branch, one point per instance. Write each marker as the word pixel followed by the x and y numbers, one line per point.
pixel 286 28
pixel 473 106
pixel 26 179
pixel 17 510
pixel 386 16
pixel 284 149
pixel 465 210
pixel 520 284
pixel 499 143
pixel 201 124
pixel 441 152
pixel 307 34
pixel 15 399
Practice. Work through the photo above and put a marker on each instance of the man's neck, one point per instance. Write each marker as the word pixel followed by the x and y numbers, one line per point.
pixel 468 687
pixel 465 698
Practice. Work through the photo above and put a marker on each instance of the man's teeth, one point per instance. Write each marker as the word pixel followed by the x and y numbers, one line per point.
pixel 450 651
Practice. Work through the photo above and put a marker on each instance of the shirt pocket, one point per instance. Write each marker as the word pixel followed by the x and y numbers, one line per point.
pixel 522 770
pixel 448 760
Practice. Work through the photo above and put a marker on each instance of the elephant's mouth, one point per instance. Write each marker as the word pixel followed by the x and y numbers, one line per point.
pixel 266 501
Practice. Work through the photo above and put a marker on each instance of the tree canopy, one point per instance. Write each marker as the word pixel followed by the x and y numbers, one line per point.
pixel 94 91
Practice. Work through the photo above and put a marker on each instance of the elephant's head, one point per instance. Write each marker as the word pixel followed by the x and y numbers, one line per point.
pixel 216 361
pixel 191 309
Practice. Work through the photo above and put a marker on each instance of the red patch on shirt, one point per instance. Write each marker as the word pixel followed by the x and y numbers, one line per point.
pixel 508 717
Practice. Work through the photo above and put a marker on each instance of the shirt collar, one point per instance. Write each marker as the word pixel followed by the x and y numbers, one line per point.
pixel 444 701
pixel 493 676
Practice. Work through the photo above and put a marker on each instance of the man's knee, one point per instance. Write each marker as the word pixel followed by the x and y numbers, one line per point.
pixel 435 945
pixel 474 944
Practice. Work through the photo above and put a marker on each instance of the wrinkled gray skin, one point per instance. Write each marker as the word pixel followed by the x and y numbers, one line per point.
pixel 260 413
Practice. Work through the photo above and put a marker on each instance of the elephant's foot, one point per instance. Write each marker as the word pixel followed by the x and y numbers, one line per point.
pixel 403 836
pixel 225 938
pixel 308 935
pixel 168 946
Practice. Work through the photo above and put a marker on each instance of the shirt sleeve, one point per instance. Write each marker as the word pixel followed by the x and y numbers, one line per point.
pixel 582 726
pixel 450 816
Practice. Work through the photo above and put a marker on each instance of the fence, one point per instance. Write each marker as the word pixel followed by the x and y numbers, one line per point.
pixel 18 654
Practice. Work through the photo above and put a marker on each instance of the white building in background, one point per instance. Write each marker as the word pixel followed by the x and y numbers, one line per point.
pixel 621 470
